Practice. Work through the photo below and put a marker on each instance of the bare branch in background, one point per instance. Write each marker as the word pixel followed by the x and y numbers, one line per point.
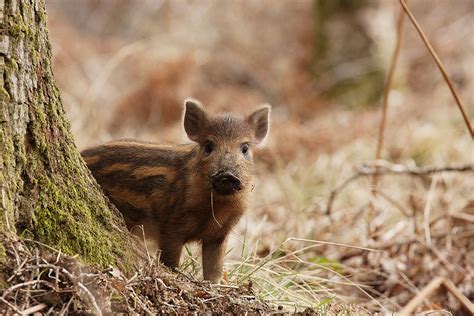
pixel 388 88
pixel 381 167
pixel 440 66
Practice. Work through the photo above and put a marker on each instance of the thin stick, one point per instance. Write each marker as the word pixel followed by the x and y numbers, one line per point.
pixel 11 305
pixel 91 298
pixel 383 167
pixel 33 309
pixel 388 87
pixel 443 258
pixel 338 189
pixel 393 202
pixel 225 286
pixel 19 285
pixel 459 295
pixel 65 308
pixel 427 210
pixel 420 297
pixel 462 216
pixel 429 289
pixel 440 66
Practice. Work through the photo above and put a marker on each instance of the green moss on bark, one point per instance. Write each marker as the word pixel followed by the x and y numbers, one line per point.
pixel 65 221
pixel 4 95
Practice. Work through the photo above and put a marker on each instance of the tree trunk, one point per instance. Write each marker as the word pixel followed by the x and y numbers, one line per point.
pixel 47 192
pixel 347 63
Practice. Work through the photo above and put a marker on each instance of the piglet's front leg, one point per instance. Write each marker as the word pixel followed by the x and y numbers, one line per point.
pixel 170 252
pixel 213 252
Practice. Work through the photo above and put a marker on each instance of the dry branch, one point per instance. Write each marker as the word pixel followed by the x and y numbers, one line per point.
pixel 420 297
pixel 462 216
pixel 388 87
pixel 91 298
pixel 461 297
pixel 34 309
pixel 385 168
pixel 440 66
pixel 382 167
pixel 434 285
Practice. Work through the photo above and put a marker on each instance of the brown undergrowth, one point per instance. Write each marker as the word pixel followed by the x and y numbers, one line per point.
pixel 50 282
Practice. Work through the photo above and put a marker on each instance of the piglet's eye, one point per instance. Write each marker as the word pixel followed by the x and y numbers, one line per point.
pixel 208 147
pixel 245 149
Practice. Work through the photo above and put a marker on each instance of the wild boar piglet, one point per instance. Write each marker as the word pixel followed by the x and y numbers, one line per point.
pixel 184 193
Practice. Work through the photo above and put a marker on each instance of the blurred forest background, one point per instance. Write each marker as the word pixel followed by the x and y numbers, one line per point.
pixel 124 68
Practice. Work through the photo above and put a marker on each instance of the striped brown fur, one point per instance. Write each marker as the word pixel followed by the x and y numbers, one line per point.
pixel 169 188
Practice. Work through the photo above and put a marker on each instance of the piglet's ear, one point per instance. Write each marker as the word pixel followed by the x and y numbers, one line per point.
pixel 195 119
pixel 259 121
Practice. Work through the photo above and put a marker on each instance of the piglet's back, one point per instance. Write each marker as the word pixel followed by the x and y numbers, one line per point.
pixel 139 178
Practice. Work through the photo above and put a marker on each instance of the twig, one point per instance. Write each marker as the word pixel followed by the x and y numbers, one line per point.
pixel 427 210
pixel 212 298
pixel 462 216
pixel 160 281
pixel 65 308
pixel 338 189
pixel 429 289
pixel 33 309
pixel 420 297
pixel 384 168
pixel 10 304
pixel 443 258
pixel 440 66
pixel 17 270
pixel 393 202
pixel 388 88
pixel 16 286
pixel 460 296
pixel 224 286
pixel 42 244
pixel 91 298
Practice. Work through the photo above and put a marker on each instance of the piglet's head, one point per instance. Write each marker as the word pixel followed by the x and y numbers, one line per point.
pixel 226 144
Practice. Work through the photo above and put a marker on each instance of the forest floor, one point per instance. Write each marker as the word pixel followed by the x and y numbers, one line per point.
pixel 50 282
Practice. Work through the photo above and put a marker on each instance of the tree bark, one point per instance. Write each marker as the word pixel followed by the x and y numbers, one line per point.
pixel 47 192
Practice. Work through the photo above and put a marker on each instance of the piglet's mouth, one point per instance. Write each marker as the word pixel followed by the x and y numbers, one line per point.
pixel 226 183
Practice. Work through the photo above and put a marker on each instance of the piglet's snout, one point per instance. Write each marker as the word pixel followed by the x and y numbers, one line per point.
pixel 226 183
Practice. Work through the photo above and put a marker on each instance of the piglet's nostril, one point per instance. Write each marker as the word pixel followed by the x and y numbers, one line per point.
pixel 228 177
pixel 226 182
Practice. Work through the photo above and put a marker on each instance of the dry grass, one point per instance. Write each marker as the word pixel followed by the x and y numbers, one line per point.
pixel 42 279
pixel 374 250
pixel 315 271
